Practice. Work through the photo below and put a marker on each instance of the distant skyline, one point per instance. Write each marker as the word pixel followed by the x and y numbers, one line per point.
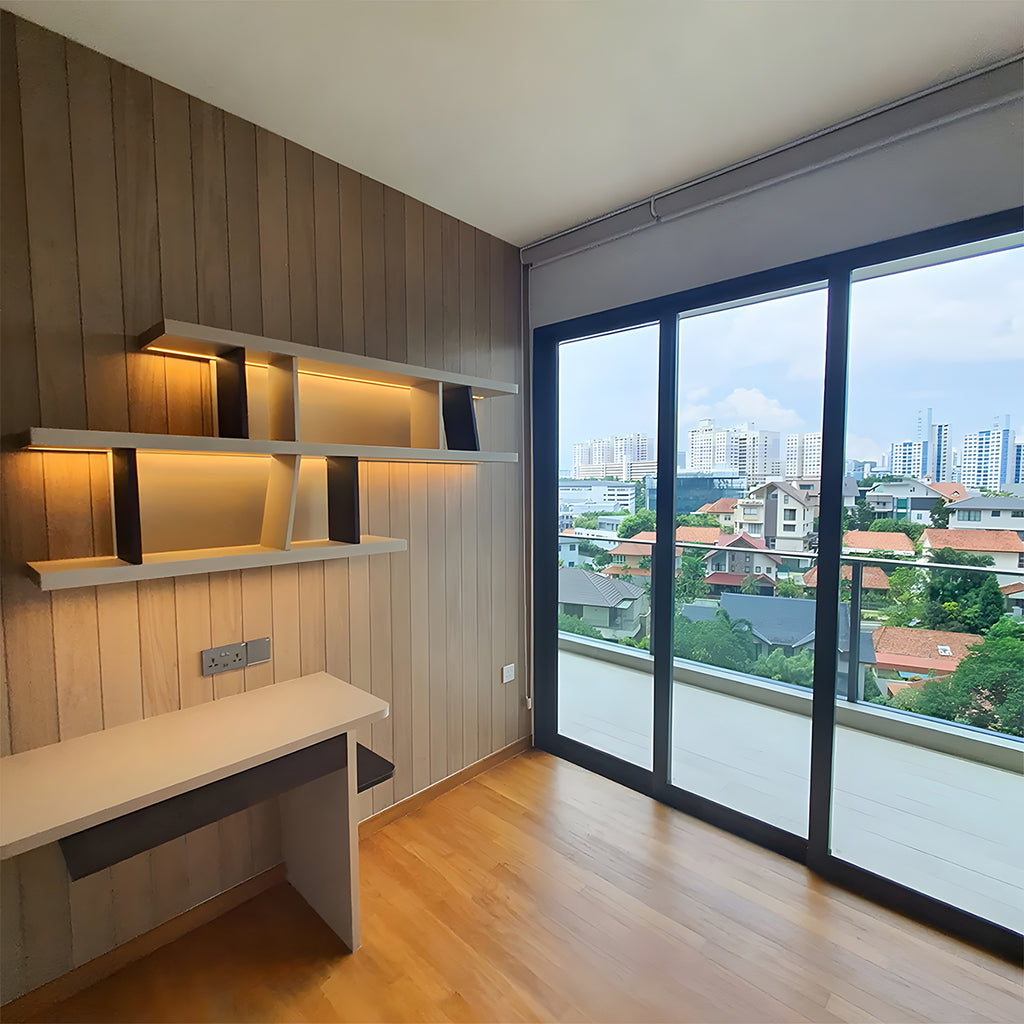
pixel 949 337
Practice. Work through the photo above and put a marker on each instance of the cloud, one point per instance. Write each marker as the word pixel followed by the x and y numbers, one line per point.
pixel 743 405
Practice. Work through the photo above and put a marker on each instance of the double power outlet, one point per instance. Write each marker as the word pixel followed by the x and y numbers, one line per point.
pixel 235 656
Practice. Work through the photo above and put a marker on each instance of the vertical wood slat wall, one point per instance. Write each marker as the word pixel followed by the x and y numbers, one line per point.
pixel 125 200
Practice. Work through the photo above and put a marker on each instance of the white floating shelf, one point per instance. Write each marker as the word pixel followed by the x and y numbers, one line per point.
pixel 68 573
pixel 60 439
pixel 178 337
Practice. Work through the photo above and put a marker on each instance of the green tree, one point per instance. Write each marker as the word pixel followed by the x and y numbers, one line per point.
pixel 723 642
pixel 691 582
pixel 590 549
pixel 872 692
pixel 639 522
pixel 750 585
pixel 939 515
pixel 904 526
pixel 697 519
pixel 586 521
pixel 641 495
pixel 572 624
pixel 796 669
pixel 987 688
pixel 950 598
pixel 602 559
pixel 787 588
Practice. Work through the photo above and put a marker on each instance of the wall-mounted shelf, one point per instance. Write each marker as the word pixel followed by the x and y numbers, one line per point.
pixel 280 482
pixel 60 439
pixel 68 573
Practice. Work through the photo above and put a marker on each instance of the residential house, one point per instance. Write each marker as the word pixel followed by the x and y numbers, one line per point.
pixel 617 609
pixel 873 577
pixel 697 535
pixel 789 512
pixel 949 491
pixel 985 513
pixel 1005 547
pixel 871 542
pixel 737 557
pixel 788 624
pixel 632 557
pixel 568 549
pixel 904 499
pixel 906 654
pixel 1014 594
pixel 722 510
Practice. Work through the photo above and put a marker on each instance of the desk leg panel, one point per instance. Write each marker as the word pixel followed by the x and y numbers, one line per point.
pixel 320 839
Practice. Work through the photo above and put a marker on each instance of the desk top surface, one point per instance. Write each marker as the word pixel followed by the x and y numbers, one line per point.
pixel 57 790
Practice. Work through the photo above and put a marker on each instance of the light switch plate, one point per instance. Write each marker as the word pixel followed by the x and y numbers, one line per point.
pixel 508 673
pixel 257 651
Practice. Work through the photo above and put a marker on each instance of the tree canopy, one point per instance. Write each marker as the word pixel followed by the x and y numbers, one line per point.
pixel 987 688
pixel 961 600
pixel 638 522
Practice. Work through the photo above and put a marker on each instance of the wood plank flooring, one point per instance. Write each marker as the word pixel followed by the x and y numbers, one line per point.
pixel 538 891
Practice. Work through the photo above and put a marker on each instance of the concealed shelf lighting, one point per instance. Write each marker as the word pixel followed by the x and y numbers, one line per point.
pixel 180 354
pixel 354 380
pixel 48 448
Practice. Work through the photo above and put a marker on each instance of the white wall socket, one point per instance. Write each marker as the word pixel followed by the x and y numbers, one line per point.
pixel 508 673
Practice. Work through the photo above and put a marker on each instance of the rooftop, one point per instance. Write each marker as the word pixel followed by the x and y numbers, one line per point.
pixel 577 586
pixel 951 492
pixel 735 579
pixel 876 540
pixel 972 540
pixel 780 621
pixel 921 650
pixel 720 507
pixel 873 577
pixel 699 534
pixel 984 502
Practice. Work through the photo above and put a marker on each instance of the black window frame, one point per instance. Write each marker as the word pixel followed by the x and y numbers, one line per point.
pixel 814 851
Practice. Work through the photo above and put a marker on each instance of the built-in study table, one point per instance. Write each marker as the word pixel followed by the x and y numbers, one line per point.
pixel 109 795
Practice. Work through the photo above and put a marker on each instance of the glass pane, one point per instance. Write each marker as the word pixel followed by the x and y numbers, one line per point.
pixel 750 402
pixel 607 447
pixel 927 784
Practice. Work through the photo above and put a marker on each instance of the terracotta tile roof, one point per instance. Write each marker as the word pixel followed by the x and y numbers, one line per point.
pixel 1013 588
pixel 951 492
pixel 625 570
pixel 743 541
pixel 698 534
pixel 874 577
pixel 905 649
pixel 973 540
pixel 878 541
pixel 720 507
pixel 735 579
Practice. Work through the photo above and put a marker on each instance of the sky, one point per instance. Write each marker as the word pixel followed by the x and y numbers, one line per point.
pixel 949 337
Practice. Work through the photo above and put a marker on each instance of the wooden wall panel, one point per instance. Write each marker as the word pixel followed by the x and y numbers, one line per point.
pixel 124 201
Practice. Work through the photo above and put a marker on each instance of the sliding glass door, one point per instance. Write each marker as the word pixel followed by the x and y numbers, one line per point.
pixel 749 451
pixel 607 440
pixel 779 562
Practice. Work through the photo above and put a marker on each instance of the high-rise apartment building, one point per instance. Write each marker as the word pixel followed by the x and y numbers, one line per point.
pixel 599 453
pixel 989 456
pixel 803 455
pixel 753 453
pixel 908 458
pixel 939 468
pixel 927 455
pixel 1018 463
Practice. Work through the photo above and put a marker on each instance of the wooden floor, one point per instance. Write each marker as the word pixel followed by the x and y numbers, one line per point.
pixel 541 892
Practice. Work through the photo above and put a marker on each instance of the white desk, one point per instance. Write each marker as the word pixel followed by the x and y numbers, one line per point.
pixel 54 792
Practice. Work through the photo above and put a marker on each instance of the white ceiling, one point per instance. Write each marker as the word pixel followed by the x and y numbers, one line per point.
pixel 525 118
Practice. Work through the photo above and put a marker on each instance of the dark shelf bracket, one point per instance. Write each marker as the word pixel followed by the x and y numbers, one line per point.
pixel 343 499
pixel 459 416
pixel 127 517
pixel 232 398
